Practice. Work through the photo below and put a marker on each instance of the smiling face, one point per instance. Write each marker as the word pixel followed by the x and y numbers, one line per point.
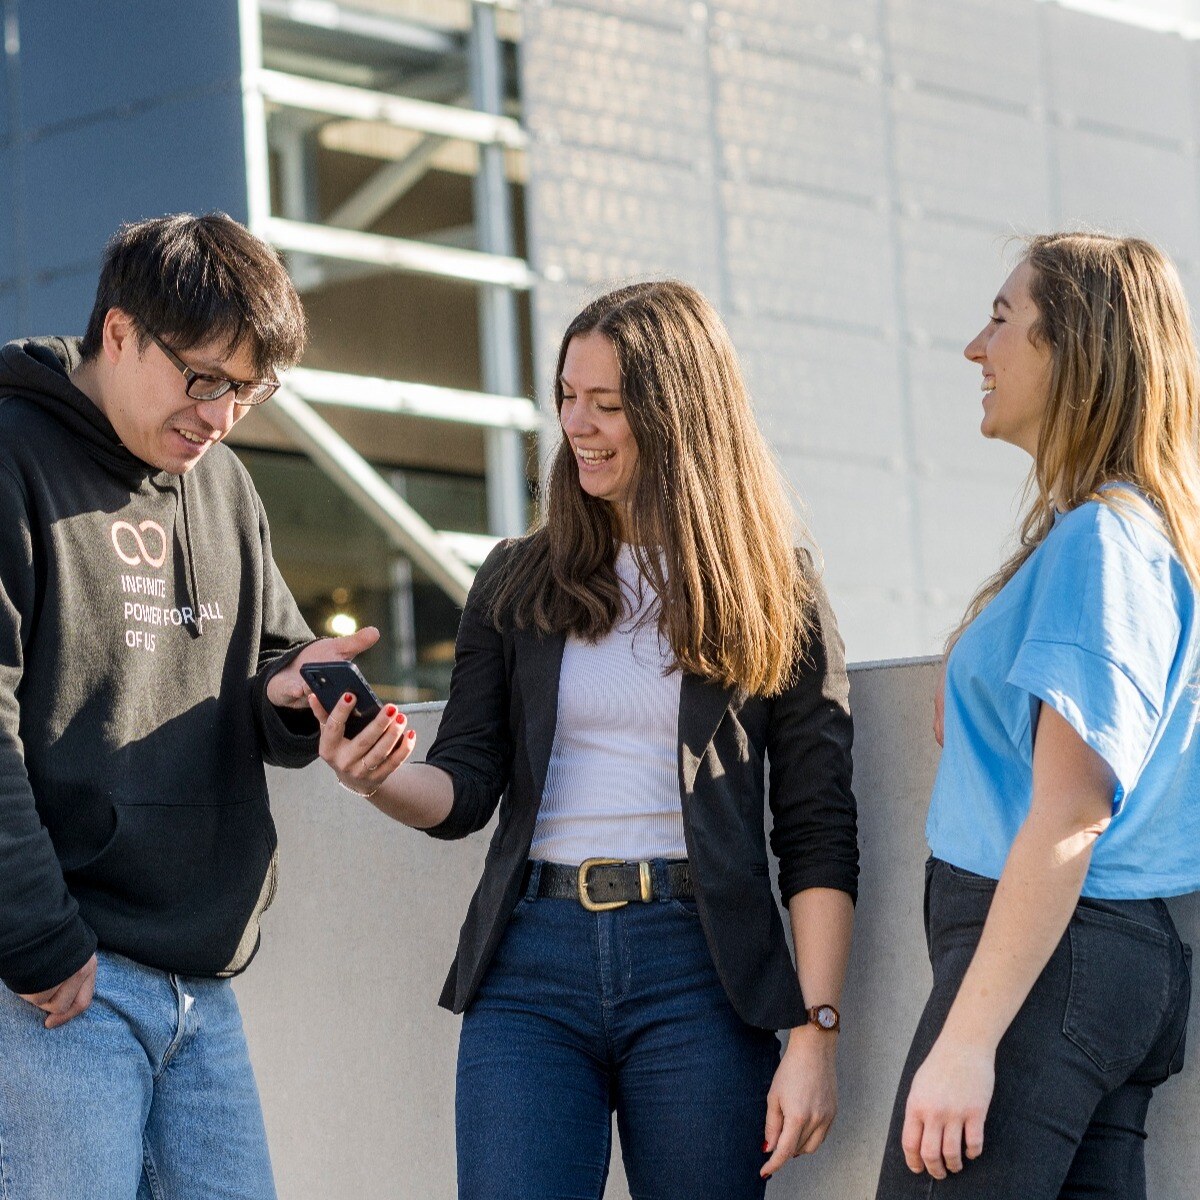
pixel 143 395
pixel 1016 369
pixel 593 419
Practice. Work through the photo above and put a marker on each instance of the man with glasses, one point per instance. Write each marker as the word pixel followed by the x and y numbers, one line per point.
pixel 148 666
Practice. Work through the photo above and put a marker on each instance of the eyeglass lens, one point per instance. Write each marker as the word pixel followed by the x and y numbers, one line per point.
pixel 208 387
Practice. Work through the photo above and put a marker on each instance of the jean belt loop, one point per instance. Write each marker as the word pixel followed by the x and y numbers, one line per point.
pixel 661 877
pixel 535 878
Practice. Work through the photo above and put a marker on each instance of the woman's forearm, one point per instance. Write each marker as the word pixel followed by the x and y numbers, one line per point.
pixel 416 794
pixel 1040 885
pixel 822 920
pixel 1037 893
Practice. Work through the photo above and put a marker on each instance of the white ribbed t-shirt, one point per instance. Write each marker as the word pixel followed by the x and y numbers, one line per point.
pixel 612 785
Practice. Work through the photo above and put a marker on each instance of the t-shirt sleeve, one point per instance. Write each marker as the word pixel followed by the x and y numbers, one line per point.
pixel 1102 634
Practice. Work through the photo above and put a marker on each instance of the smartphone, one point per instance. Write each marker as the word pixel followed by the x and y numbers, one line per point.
pixel 330 681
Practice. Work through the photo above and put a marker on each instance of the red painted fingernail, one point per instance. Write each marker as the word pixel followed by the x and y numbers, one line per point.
pixel 412 733
pixel 348 698
pixel 390 710
pixel 766 1147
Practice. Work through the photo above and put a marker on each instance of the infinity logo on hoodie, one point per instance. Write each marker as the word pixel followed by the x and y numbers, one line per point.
pixel 122 531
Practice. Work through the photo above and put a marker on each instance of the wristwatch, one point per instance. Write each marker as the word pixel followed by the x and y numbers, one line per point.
pixel 825 1017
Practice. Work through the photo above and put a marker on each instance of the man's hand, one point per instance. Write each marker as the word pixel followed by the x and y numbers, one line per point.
pixel 286 688
pixel 802 1101
pixel 947 1106
pixel 69 998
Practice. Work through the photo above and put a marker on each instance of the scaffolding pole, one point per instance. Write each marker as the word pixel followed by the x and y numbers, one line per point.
pixel 499 333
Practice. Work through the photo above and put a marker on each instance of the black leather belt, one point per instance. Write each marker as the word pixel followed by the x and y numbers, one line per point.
pixel 604 883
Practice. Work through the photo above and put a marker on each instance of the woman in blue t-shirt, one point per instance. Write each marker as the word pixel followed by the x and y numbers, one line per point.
pixel 1067 801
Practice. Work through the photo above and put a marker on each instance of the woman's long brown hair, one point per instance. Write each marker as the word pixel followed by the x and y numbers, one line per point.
pixel 708 520
pixel 1124 402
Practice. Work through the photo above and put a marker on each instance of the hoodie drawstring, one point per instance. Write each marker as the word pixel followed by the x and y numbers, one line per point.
pixel 193 583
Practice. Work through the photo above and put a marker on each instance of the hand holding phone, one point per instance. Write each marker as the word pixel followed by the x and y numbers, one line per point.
pixel 330 681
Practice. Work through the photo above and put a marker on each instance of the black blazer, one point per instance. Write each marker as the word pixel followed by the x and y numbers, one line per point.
pixel 495 740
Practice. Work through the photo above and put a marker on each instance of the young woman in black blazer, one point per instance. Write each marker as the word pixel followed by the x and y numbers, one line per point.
pixel 622 676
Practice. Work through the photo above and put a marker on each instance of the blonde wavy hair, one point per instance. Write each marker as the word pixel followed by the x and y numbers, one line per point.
pixel 1124 403
pixel 709 520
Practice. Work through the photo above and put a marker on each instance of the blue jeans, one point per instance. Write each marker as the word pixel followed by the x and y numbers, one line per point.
pixel 1102 1027
pixel 147 1095
pixel 581 1013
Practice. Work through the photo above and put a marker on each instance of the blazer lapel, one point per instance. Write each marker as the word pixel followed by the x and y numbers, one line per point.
pixel 538 663
pixel 702 706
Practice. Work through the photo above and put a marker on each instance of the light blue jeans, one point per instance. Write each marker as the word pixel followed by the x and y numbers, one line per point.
pixel 147 1095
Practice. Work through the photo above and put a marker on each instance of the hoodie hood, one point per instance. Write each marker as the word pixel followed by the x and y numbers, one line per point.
pixel 39 370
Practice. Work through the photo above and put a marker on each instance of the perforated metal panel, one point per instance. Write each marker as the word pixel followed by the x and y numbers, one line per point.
pixel 844 178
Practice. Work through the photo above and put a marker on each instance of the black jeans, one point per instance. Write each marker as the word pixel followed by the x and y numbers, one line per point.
pixel 1103 1025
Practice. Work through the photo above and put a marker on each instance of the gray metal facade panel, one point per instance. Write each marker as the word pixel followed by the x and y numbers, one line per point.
pixel 825 128
pixel 1118 75
pixel 132 54
pixel 615 84
pixel 85 180
pixel 59 304
pixel 665 13
pixel 821 391
pixel 969 533
pixel 859 505
pixel 8 256
pixel 8 314
pixel 970 160
pixel 850 210
pixel 947 408
pixel 605 217
pixel 837 31
pixel 6 130
pixel 1125 185
pixel 950 274
pixel 791 253
pixel 975 47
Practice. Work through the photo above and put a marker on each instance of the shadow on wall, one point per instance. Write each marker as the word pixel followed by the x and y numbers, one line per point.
pixel 356 1062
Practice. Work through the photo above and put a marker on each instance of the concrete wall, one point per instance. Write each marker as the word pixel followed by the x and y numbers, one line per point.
pixel 841 177
pixel 356 1062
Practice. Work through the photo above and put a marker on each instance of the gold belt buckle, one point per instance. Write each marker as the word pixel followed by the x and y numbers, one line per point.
pixel 586 900
pixel 644 884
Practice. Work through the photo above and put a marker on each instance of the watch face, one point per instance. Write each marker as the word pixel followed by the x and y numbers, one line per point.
pixel 826 1017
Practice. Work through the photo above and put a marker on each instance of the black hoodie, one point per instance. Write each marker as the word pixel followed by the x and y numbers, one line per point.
pixel 141 615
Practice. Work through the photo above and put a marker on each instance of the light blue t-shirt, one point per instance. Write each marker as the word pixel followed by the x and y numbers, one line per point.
pixel 1100 623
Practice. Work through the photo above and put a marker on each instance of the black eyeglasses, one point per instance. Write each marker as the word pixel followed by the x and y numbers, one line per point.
pixel 246 392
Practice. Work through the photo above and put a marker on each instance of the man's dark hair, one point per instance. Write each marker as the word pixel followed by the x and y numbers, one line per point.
pixel 193 280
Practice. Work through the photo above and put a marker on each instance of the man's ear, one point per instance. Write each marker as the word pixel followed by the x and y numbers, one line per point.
pixel 119 337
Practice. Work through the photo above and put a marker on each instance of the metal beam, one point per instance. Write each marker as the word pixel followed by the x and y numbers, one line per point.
pixel 499 333
pixel 472 548
pixel 414 399
pixel 361 104
pixel 329 271
pixel 373 26
pixel 294 140
pixel 386 186
pixel 254 121
pixel 403 526
pixel 399 254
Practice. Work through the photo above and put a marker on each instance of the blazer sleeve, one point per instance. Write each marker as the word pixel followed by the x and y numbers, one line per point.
pixel 474 742
pixel 809 739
